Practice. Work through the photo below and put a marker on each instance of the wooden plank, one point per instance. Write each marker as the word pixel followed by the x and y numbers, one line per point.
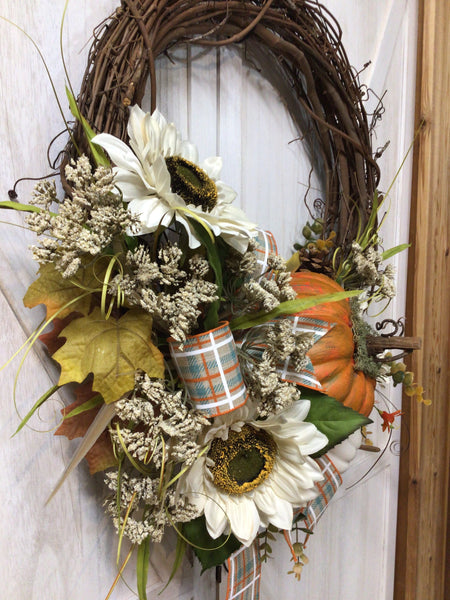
pixel 423 497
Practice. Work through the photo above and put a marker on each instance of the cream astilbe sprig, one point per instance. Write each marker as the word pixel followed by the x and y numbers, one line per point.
pixel 175 297
pixel 159 414
pixel 284 343
pixel 365 270
pixel 262 354
pixel 266 293
pixel 157 438
pixel 148 516
pixel 242 265
pixel 85 224
pixel 270 393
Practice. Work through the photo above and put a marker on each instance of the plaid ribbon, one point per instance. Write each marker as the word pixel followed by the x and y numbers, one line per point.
pixel 244 573
pixel 300 324
pixel 315 508
pixel 209 368
pixel 327 489
pixel 266 245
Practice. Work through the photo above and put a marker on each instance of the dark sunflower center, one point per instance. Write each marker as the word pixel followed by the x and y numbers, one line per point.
pixel 192 183
pixel 243 461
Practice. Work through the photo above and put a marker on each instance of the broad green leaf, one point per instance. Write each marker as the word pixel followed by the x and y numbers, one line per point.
pixel 35 407
pixel 212 318
pixel 211 552
pixel 142 564
pixel 332 418
pixel 97 152
pixel 111 350
pixel 289 308
pixel 395 250
pixel 51 289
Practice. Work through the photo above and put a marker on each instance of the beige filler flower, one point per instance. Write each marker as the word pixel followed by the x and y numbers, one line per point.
pixel 161 180
pixel 253 473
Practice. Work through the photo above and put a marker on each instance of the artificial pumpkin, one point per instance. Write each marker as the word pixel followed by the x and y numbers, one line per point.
pixel 333 355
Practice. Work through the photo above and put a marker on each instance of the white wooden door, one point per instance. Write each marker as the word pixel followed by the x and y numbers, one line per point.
pixel 67 550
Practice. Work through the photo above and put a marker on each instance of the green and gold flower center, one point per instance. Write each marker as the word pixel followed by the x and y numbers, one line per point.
pixel 243 461
pixel 192 183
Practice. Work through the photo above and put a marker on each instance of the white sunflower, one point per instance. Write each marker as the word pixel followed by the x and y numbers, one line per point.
pixel 160 178
pixel 254 472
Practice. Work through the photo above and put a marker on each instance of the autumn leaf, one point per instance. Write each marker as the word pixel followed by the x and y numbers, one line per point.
pixel 113 350
pixel 51 339
pixel 51 289
pixel 101 455
pixel 73 427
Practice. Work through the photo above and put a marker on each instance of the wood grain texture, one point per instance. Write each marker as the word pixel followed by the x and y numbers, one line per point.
pixel 225 107
pixel 424 485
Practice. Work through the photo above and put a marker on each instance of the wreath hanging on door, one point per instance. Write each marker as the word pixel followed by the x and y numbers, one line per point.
pixel 221 388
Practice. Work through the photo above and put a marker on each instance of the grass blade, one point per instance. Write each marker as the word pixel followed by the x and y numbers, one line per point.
pixel 289 308
pixel 143 556
pixel 37 405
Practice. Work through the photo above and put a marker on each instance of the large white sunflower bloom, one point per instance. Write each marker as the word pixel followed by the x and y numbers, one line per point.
pixel 160 178
pixel 254 472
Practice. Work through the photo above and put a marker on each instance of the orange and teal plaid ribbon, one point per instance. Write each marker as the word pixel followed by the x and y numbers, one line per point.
pixel 208 365
pixel 244 573
pixel 327 488
pixel 315 508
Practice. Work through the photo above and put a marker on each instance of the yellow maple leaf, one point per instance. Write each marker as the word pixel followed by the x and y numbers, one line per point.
pixel 113 350
pixel 51 289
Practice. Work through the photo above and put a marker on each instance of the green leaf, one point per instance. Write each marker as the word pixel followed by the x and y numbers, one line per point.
pixel 289 308
pixel 212 318
pixel 332 418
pixel 143 559
pixel 131 242
pixel 395 250
pixel 179 554
pixel 11 204
pixel 97 152
pixel 300 517
pixel 37 404
pixel 210 552
pixel 88 405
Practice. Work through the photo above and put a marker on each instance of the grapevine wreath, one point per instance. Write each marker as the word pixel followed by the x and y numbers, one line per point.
pixel 221 389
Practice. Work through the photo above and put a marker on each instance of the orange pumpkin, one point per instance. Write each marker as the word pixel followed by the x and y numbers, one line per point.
pixel 332 355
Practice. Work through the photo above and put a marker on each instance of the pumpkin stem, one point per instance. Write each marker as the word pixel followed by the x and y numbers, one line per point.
pixel 376 344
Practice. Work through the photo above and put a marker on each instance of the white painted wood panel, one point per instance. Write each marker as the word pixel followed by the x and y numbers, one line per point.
pixel 224 107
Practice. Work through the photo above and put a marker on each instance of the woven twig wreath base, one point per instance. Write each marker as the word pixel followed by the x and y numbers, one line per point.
pixel 301 43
